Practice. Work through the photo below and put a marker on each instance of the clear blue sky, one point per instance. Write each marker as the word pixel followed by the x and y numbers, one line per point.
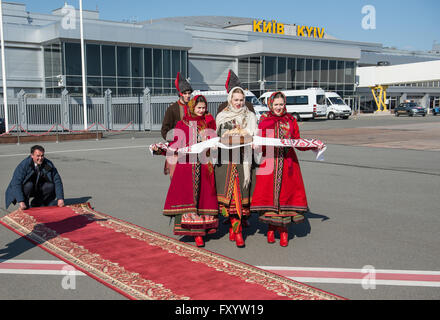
pixel 404 24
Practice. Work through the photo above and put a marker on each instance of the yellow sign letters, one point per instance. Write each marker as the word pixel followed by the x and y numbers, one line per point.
pixel 278 28
pixel 268 27
pixel 305 31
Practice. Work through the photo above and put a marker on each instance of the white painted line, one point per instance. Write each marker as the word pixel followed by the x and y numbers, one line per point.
pixel 269 268
pixel 419 278
pixel 359 281
pixel 41 267
pixel 387 277
pixel 33 261
pixel 69 272
pixel 74 150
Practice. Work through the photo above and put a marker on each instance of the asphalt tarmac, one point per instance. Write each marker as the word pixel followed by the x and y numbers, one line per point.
pixel 370 207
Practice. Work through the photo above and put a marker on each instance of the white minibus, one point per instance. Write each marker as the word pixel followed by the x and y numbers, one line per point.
pixel 303 104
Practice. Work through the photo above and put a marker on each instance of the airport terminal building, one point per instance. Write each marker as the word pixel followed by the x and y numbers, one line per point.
pixel 43 56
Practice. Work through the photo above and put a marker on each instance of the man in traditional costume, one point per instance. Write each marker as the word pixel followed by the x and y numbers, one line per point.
pixel 280 197
pixel 231 82
pixel 192 198
pixel 233 178
pixel 174 113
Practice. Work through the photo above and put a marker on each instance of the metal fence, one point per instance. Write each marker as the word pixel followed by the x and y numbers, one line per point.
pixel 140 113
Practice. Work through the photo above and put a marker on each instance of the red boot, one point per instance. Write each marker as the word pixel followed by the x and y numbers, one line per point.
pixel 284 237
pixel 199 241
pixel 239 241
pixel 271 234
pixel 231 234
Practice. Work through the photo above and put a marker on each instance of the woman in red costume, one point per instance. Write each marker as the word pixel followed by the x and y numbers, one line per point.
pixel 279 196
pixel 192 198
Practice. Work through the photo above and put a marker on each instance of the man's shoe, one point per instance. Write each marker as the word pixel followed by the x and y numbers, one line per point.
pixel 36 203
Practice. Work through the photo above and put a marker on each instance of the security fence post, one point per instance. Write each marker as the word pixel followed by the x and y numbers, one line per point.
pixel 146 109
pixel 65 110
pixel 108 117
pixel 22 114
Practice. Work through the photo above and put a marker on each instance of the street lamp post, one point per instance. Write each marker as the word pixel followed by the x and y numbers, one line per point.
pixel 5 93
pixel 83 69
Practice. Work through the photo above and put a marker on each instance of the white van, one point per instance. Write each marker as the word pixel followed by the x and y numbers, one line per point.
pixel 336 107
pixel 303 104
pixel 263 98
pixel 250 97
pixel 258 106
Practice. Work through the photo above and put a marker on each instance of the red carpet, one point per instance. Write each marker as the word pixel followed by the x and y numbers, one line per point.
pixel 142 264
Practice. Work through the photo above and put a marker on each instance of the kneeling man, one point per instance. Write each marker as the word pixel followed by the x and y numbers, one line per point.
pixel 35 177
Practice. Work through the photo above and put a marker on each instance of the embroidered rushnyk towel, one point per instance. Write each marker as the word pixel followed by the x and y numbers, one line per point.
pixel 305 144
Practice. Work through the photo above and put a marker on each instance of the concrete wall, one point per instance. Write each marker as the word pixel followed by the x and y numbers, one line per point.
pixel 404 73
pixel 209 73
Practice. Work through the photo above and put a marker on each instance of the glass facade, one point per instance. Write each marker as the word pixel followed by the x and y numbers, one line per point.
pixel 125 70
pixel 52 68
pixel 265 73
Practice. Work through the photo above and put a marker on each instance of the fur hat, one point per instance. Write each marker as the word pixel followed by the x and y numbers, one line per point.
pixel 232 81
pixel 182 85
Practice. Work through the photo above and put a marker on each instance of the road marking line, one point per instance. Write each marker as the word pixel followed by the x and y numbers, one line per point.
pixel 44 267
pixel 359 282
pixel 307 275
pixel 356 276
pixel 286 269
pixel 32 261
pixel 73 150
pixel 43 272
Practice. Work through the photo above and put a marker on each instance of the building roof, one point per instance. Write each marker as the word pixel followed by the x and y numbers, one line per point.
pixel 205 21
pixel 226 22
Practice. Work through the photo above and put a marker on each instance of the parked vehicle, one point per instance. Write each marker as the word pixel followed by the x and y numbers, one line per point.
pixel 336 107
pixel 436 110
pixel 410 109
pixel 250 97
pixel 303 104
pixel 2 125
pixel 263 98
pixel 258 106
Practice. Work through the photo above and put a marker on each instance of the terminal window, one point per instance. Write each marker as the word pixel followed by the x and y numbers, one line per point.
pixel 125 70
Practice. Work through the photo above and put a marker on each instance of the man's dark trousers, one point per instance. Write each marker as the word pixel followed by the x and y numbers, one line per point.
pixel 43 194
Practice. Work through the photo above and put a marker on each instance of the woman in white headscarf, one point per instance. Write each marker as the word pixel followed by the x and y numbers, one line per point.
pixel 233 178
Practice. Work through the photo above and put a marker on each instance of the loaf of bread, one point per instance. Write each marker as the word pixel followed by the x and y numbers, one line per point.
pixel 236 136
